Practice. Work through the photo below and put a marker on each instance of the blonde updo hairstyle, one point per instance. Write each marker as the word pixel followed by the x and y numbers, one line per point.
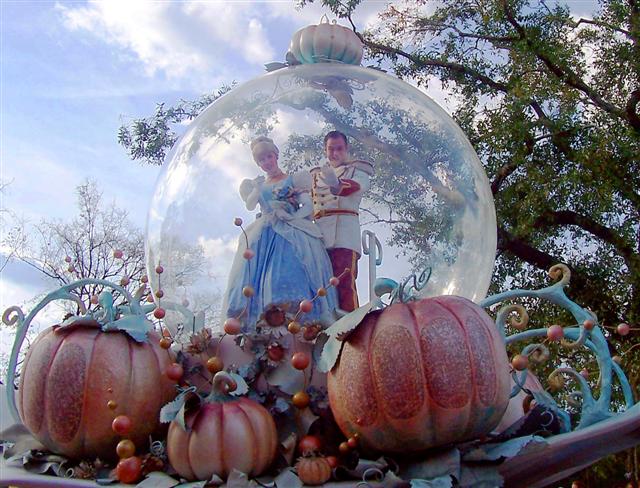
pixel 261 145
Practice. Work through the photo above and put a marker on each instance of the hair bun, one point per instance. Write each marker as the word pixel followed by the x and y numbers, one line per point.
pixel 262 144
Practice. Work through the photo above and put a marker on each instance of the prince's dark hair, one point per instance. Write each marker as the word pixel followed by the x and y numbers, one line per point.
pixel 335 134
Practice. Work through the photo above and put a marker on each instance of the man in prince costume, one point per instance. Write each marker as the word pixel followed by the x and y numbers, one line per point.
pixel 288 261
pixel 336 193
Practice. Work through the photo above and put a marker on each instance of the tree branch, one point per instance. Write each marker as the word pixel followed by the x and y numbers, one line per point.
pixel 423 62
pixel 566 74
pixel 606 25
pixel 569 217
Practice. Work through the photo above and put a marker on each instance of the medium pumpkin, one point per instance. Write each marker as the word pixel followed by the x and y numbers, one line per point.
pixel 225 433
pixel 326 42
pixel 71 377
pixel 421 374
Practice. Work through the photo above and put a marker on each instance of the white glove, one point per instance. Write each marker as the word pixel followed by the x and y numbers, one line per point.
pixel 329 176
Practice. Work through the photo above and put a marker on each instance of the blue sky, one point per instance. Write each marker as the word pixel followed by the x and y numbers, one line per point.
pixel 71 72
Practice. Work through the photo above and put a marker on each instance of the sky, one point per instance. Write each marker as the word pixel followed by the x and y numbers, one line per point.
pixel 72 72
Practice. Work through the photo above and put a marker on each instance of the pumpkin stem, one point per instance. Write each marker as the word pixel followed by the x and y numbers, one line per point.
pixel 224 383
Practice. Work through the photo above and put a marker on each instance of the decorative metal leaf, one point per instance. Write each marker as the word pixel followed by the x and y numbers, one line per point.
pixel 170 411
pixel 510 448
pixel 337 333
pixel 137 326
pixel 288 479
pixel 440 465
pixel 286 378
pixel 274 66
pixel 242 387
pixel 158 479
pixel 238 479
pixel 441 482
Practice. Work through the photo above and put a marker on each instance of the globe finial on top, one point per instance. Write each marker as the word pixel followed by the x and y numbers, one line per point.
pixel 326 42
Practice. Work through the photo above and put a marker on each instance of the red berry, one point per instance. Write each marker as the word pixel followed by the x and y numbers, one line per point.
pixel 344 447
pixel 352 442
pixel 214 364
pixel 112 405
pixel 237 221
pixel 174 371
pixel 118 254
pixel 623 329
pixel 294 327
pixel 248 254
pixel 322 292
pixel 165 343
pixel 159 269
pixel 67 259
pixel 71 269
pixel 588 324
pixel 309 444
pixel 334 281
pixel 159 294
pixel 129 470
pixel 301 400
pixel 124 281
pixel 520 362
pixel 94 299
pixel 555 332
pixel 333 461
pixel 122 425
pixel 125 449
pixel 300 360
pixel 159 313
pixel 150 298
pixel 248 291
pixel 144 279
pixel 306 306
pixel 232 326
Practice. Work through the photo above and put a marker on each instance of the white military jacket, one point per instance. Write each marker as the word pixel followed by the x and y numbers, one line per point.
pixel 337 210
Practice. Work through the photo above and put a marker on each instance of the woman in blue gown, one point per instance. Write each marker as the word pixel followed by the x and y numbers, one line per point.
pixel 289 261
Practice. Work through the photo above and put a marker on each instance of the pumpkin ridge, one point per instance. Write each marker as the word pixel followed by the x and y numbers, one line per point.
pixel 43 388
pixel 223 461
pixel 470 423
pixel 190 442
pixel 254 445
pixel 84 390
pixel 45 420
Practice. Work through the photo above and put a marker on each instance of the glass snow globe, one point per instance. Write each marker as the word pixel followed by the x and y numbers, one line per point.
pixel 428 205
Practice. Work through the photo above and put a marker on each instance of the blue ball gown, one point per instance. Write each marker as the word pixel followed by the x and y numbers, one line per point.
pixel 290 261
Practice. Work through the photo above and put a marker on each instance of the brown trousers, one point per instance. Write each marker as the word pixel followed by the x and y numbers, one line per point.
pixel 341 259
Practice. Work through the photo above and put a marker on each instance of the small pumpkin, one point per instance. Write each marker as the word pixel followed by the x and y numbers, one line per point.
pixel 223 434
pixel 326 42
pixel 76 379
pixel 421 374
pixel 313 470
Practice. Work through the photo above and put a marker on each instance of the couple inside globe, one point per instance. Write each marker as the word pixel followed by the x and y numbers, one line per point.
pixel 308 230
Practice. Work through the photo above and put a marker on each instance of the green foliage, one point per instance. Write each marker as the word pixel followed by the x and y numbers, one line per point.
pixel 147 139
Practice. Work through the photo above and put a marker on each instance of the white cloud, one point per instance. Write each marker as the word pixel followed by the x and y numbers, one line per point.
pixel 182 40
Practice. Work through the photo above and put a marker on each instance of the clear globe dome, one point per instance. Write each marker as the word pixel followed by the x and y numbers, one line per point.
pixel 429 203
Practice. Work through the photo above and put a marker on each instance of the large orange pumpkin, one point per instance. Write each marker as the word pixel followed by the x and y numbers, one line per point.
pixel 70 375
pixel 225 433
pixel 421 374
